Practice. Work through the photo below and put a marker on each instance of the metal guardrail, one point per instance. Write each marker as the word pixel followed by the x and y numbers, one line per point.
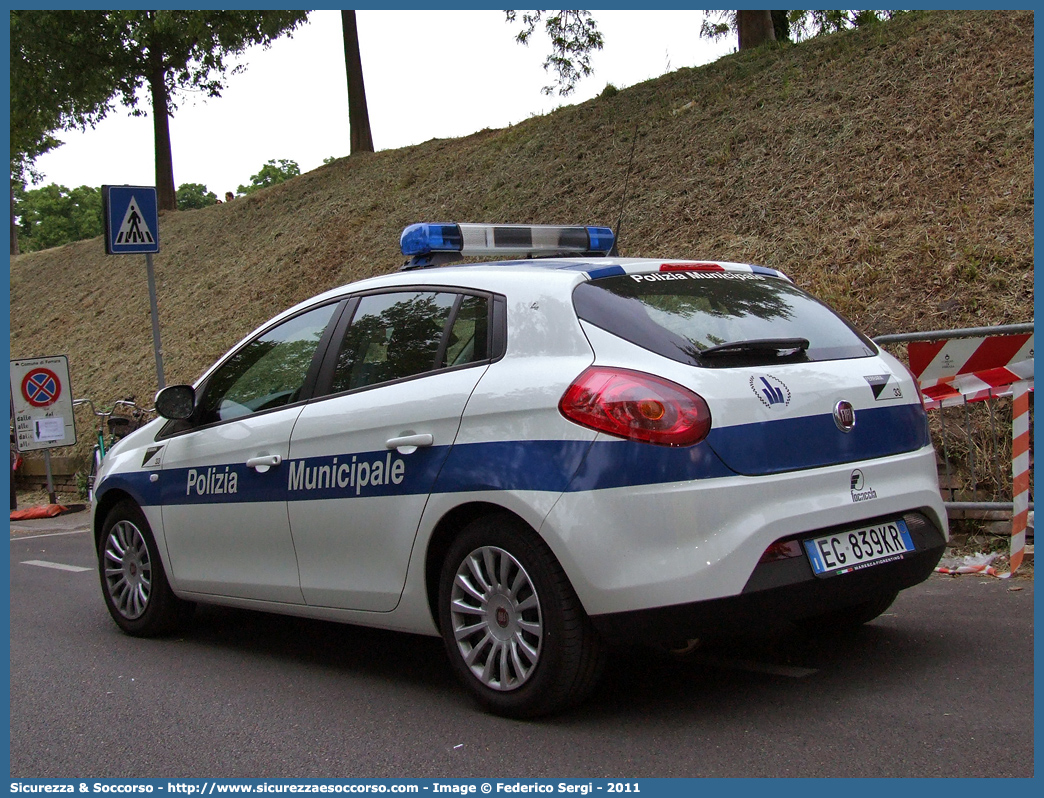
pixel 974 439
pixel 946 335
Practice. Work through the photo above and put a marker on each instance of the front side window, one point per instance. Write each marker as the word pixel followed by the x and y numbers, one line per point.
pixel 268 372
pixel 399 335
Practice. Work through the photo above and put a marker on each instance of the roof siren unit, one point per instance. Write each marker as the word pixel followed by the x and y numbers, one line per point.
pixel 436 244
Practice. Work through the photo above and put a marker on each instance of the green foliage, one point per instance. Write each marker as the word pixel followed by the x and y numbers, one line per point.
pixel 61 79
pixel 82 485
pixel 609 91
pixel 191 47
pixel 68 67
pixel 194 195
pixel 797 25
pixel 806 24
pixel 573 34
pixel 53 215
pixel 271 173
pixel 718 24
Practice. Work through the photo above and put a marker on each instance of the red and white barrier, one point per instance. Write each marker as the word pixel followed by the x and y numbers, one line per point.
pixel 931 361
pixel 1020 466
pixel 962 370
pixel 992 384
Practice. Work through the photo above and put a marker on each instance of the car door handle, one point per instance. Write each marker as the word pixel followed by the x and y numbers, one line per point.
pixel 408 444
pixel 263 462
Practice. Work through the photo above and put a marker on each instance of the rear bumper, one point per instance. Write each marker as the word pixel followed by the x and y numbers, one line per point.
pixel 780 593
pixel 644 546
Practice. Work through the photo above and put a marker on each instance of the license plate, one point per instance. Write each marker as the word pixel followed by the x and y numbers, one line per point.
pixel 859 548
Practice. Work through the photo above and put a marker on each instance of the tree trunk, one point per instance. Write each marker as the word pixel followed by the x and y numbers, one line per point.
pixel 755 28
pixel 165 193
pixel 14 228
pixel 358 115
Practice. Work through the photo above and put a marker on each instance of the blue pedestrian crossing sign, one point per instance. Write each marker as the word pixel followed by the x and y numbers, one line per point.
pixel 131 220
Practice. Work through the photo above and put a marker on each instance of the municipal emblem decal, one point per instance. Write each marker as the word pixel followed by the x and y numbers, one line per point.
pixel 770 391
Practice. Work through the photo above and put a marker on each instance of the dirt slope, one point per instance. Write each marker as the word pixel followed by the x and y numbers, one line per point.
pixel 890 171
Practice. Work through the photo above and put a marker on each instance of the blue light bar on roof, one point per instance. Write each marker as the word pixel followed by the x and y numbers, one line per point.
pixel 504 239
pixel 421 239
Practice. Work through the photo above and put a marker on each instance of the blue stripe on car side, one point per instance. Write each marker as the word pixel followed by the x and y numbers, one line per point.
pixel 136 484
pixel 792 444
pixel 554 466
pixel 619 463
pixel 364 474
pixel 511 465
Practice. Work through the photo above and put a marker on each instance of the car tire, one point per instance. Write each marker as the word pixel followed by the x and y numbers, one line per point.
pixel 848 618
pixel 514 628
pixel 133 581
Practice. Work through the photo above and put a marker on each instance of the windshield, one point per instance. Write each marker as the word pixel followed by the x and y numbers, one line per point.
pixel 682 314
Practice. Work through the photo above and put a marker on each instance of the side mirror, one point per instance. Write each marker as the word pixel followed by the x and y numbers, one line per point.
pixel 176 402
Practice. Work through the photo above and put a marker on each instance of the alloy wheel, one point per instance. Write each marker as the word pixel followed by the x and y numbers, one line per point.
pixel 128 570
pixel 497 624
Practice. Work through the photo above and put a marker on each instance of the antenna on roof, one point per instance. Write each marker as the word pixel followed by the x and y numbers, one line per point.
pixel 623 197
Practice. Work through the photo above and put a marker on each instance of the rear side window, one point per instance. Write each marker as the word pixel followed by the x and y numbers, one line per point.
pixel 394 336
pixel 469 337
pixel 682 315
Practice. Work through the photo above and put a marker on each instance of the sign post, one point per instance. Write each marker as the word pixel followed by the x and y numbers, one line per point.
pixel 131 228
pixel 42 398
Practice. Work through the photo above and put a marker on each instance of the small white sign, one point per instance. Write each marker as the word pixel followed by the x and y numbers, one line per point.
pixel 42 401
pixel 49 429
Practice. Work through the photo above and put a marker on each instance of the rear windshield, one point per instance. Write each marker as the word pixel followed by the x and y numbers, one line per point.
pixel 750 318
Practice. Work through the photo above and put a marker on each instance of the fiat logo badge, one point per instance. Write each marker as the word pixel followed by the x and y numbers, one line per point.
pixel 844 416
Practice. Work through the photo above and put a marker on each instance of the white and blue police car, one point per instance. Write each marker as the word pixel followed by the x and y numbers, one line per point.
pixel 535 458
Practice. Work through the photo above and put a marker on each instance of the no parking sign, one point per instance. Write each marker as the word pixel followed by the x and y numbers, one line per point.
pixel 43 403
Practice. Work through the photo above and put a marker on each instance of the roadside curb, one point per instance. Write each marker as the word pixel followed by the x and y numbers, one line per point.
pixel 67 522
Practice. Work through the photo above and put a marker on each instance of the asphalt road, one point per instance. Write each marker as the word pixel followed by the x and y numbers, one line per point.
pixel 940 686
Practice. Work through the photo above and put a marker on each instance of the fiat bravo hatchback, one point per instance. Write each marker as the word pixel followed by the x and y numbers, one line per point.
pixel 535 458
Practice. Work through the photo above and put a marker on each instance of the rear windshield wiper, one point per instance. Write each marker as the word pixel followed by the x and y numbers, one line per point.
pixel 781 347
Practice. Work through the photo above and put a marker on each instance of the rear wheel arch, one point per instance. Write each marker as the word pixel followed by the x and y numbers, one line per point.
pixel 513 627
pixel 442 537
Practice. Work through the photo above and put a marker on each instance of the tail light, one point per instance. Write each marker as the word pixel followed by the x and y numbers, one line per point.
pixel 638 406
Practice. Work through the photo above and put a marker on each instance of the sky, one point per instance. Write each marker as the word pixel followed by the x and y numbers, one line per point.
pixel 428 74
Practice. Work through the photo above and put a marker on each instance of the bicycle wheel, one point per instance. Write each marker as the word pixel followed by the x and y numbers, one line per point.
pixel 92 473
